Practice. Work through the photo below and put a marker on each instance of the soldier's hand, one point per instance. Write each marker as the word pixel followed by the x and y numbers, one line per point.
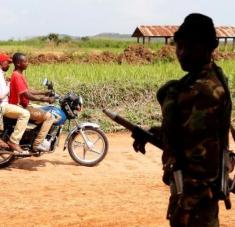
pixel 139 145
pixel 139 141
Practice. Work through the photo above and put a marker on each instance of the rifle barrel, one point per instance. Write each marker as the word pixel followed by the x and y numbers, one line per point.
pixel 120 120
pixel 135 129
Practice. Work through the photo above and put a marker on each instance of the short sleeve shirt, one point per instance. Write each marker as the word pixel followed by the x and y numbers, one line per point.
pixel 18 86
pixel 4 89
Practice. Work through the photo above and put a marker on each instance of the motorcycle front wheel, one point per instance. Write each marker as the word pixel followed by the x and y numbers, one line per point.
pixel 88 147
pixel 6 157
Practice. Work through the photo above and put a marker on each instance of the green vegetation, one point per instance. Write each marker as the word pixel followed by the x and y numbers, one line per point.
pixel 67 45
pixel 72 75
pixel 128 89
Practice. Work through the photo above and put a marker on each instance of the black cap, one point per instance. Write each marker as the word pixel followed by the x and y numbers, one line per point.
pixel 198 27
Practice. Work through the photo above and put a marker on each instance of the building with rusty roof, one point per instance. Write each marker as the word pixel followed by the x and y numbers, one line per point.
pixel 167 32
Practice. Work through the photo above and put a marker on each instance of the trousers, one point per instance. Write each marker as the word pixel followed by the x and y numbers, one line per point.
pixel 192 210
pixel 40 117
pixel 18 113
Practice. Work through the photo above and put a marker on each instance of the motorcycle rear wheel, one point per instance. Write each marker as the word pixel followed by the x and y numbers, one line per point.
pixel 88 154
pixel 6 157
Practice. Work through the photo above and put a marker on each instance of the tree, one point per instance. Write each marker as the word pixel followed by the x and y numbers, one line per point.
pixel 53 37
pixel 85 38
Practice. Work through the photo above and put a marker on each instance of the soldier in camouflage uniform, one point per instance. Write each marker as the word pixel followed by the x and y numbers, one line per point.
pixel 196 114
pixel 196 117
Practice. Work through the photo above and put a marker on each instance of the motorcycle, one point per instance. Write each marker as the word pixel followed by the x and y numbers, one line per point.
pixel 87 144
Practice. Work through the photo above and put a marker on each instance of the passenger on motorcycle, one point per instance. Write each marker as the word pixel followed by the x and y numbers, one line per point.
pixel 20 94
pixel 11 111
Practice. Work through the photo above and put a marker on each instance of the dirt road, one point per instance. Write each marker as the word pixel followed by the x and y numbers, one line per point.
pixel 125 189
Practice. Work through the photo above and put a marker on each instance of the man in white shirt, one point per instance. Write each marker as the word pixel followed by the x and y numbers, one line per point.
pixel 11 111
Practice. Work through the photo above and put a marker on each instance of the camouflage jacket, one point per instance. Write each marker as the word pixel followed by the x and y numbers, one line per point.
pixel 196 117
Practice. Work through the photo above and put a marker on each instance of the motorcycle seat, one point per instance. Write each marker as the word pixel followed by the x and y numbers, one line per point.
pixel 10 121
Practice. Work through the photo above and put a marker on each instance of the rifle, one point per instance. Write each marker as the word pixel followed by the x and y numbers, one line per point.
pixel 224 179
pixel 227 184
pixel 149 137
pixel 135 129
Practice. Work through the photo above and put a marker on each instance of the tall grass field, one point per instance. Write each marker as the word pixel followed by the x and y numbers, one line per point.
pixel 127 89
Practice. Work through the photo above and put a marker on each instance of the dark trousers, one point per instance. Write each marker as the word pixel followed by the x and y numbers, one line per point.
pixel 203 213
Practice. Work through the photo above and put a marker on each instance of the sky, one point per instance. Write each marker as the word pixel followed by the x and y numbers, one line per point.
pixel 22 19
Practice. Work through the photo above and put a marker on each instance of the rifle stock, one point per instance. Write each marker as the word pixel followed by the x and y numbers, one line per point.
pixel 135 129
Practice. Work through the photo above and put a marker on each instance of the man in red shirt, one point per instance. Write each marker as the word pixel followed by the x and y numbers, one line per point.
pixel 20 94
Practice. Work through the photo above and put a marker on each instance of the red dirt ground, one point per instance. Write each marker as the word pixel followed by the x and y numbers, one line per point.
pixel 125 189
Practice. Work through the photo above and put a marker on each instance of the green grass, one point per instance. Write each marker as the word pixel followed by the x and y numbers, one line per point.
pixel 71 76
pixel 75 74
pixel 127 89
pixel 74 47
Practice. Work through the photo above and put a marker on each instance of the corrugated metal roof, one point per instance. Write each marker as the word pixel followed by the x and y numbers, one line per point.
pixel 168 31
pixel 155 31
pixel 225 31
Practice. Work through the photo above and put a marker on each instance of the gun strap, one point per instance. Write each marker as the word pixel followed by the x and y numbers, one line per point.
pixel 226 111
pixel 226 116
pixel 232 131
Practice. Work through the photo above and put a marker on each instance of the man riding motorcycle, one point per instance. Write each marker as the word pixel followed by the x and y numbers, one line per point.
pixel 20 94
pixel 11 111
